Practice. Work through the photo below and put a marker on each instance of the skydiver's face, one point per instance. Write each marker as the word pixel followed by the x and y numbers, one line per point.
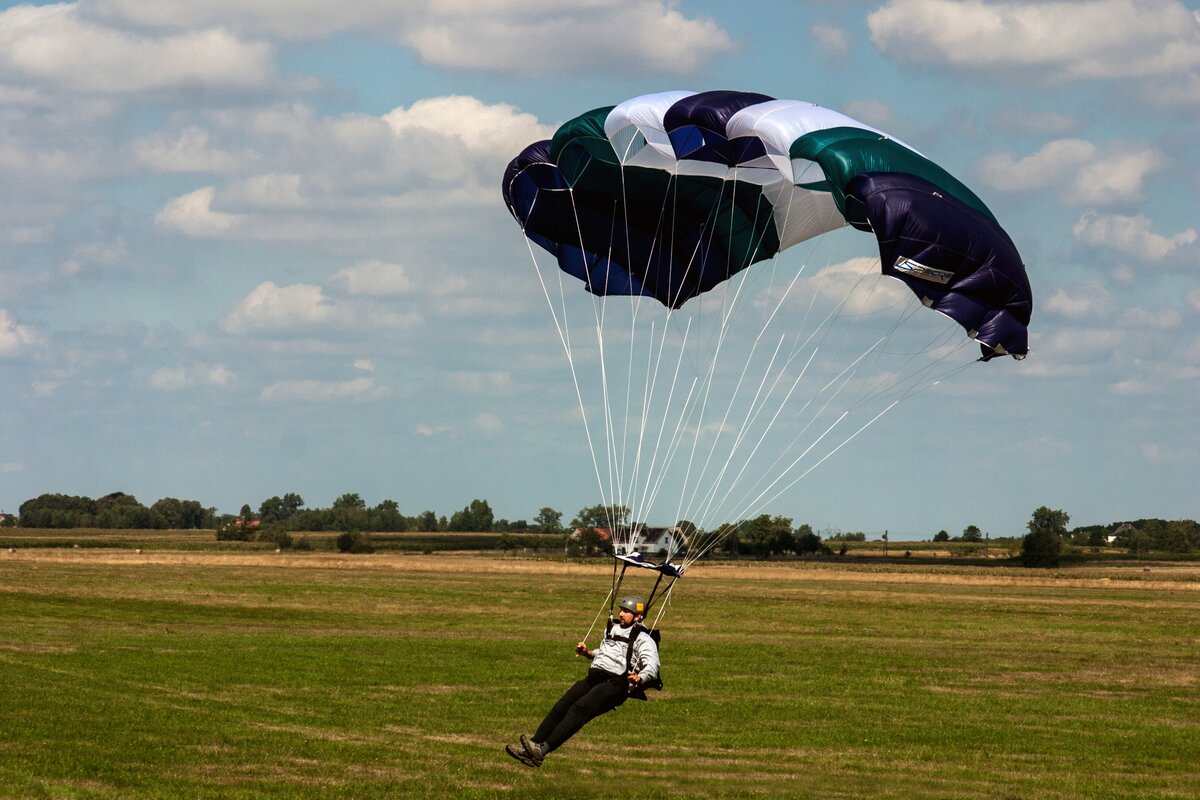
pixel 626 618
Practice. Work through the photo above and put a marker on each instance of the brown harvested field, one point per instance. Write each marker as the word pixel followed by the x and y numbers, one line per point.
pixel 1184 576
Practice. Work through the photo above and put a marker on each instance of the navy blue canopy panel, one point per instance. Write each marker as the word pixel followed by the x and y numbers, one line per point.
pixel 955 259
pixel 539 198
pixel 696 125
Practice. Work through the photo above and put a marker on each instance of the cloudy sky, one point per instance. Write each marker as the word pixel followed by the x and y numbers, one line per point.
pixel 256 248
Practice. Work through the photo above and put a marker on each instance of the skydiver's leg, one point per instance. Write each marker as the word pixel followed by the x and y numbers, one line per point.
pixel 599 699
pixel 576 691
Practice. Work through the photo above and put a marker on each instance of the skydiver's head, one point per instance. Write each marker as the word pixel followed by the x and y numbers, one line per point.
pixel 632 609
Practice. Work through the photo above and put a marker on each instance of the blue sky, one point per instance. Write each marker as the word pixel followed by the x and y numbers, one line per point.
pixel 256 248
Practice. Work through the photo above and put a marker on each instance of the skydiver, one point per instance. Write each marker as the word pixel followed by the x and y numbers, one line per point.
pixel 623 665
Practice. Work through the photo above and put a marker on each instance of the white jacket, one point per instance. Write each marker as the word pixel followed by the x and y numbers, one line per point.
pixel 610 655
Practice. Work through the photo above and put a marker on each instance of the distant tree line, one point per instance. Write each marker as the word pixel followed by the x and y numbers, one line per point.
pixel 116 510
pixel 762 536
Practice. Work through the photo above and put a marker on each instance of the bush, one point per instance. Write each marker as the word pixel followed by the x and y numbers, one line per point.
pixel 1041 549
pixel 234 533
pixel 354 542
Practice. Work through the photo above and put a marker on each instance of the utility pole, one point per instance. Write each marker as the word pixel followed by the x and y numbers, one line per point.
pixel 885 543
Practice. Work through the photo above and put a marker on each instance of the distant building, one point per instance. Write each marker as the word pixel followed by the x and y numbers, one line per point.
pixel 1121 533
pixel 649 541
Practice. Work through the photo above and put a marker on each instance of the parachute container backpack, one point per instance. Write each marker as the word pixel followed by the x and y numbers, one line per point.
pixel 728 361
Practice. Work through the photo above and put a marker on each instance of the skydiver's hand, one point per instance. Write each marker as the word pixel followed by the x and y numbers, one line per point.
pixel 634 678
pixel 582 649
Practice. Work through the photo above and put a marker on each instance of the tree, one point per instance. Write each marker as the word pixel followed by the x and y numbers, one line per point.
pixel 971 533
pixel 548 520
pixel 350 512
pixel 807 541
pixel 427 522
pixel 689 532
pixel 120 510
pixel 1042 546
pixel 601 516
pixel 57 511
pixel 590 542
pixel 942 536
pixel 350 500
pixel 476 517
pixel 1139 543
pixel 280 509
pixel 767 535
pixel 387 517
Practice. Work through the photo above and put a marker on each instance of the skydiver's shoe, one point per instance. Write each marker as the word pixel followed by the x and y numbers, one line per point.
pixel 533 750
pixel 519 755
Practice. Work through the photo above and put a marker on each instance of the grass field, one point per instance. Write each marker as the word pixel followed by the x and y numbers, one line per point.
pixel 218 674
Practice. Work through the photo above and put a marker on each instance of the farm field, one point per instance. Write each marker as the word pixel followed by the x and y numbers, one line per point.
pixel 245 674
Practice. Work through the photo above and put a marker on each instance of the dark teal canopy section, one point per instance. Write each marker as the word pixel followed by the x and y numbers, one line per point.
pixel 636 230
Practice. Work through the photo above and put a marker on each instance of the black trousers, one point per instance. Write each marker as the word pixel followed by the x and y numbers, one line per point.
pixel 597 693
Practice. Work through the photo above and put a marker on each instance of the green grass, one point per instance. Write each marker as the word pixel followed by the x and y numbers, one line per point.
pixel 221 675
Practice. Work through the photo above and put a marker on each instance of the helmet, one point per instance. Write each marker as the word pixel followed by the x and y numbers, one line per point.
pixel 634 603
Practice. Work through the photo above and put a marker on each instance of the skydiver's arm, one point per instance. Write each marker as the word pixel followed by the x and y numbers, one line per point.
pixel 645 653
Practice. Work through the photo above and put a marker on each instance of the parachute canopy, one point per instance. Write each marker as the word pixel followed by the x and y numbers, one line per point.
pixel 667 195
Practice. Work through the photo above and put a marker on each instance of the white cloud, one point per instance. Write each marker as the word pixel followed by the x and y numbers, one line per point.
pixel 432 430
pixel 373 278
pixel 480 382
pixel 1033 122
pixel 1192 297
pixel 1077 302
pixel 1070 346
pixel 542 37
pixel 872 112
pixel 1081 172
pixel 478 127
pixel 1068 40
pixel 1116 179
pixel 298 307
pixel 1044 168
pixel 58 45
pixel 1130 235
pixel 352 177
pixel 11 468
pixel 1173 94
pixel 277 307
pixel 94 254
pixel 1133 386
pixel 176 378
pixel 313 391
pixel 545 38
pixel 488 423
pixel 857 284
pixel 188 150
pixel 288 19
pixel 832 39
pixel 193 215
pixel 15 339
pixel 365 364
pixel 1156 453
pixel 1162 319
